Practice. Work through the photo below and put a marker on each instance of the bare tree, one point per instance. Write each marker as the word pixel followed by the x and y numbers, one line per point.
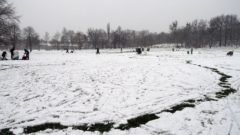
pixel 46 37
pixel 97 37
pixel 70 35
pixel 65 38
pixel 117 38
pixel 79 39
pixel 173 28
pixel 15 34
pixel 8 19
pixel 56 40
pixel 31 37
pixel 108 35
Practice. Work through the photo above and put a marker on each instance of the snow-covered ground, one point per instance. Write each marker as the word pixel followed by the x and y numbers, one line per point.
pixel 113 89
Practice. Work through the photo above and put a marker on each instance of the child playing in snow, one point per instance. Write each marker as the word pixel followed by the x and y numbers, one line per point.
pixel 25 55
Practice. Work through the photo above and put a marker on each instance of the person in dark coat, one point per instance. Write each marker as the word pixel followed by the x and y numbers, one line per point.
pixel 139 50
pixel 4 55
pixel 12 52
pixel 25 55
pixel 98 51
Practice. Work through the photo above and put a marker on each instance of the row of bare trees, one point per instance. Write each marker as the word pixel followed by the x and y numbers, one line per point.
pixel 220 31
pixel 99 38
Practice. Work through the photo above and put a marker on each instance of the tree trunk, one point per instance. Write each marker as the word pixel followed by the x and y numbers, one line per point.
pixel 220 38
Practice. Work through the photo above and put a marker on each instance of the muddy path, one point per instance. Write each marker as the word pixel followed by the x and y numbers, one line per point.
pixel 226 90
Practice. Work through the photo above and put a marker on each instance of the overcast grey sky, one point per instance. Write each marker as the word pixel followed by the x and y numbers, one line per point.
pixel 154 15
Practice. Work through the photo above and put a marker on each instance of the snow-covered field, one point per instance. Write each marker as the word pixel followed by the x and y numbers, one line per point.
pixel 158 92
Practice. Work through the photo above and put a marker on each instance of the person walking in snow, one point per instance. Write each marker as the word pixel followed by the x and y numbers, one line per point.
pixel 4 55
pixel 12 52
pixel 98 51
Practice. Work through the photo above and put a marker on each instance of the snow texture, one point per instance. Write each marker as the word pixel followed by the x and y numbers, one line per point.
pixel 113 90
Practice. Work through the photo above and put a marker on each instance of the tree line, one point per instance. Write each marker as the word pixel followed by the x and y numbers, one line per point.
pixel 100 38
pixel 221 30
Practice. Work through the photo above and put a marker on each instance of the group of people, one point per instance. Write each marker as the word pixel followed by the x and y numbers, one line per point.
pixel 15 55
pixel 191 51
pixel 67 51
